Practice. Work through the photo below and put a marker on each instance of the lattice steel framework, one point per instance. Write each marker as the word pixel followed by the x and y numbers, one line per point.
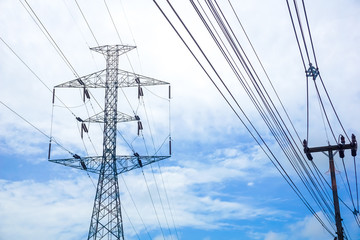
pixel 106 219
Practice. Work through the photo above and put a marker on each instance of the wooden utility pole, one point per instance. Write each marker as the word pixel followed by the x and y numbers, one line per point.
pixel 330 153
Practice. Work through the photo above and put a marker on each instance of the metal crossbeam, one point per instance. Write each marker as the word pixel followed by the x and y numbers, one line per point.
pixel 100 118
pixel 123 163
pixel 119 49
pixel 98 80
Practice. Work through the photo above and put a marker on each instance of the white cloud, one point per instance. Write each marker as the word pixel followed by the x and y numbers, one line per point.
pixel 309 228
pixel 61 209
pixel 53 210
pixel 200 118
pixel 275 236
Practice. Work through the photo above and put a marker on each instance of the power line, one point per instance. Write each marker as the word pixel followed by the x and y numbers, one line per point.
pixel 87 23
pixel 265 119
pixel 52 91
pixel 49 37
pixel 210 66
pixel 36 128
pixel 136 208
pixel 153 204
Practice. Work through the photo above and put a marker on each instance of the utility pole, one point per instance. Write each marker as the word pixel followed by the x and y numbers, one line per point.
pixel 106 220
pixel 330 153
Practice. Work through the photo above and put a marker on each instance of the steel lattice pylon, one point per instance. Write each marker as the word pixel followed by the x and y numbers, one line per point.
pixel 106 219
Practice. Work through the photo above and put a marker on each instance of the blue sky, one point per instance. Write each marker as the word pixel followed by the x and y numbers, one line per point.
pixel 218 184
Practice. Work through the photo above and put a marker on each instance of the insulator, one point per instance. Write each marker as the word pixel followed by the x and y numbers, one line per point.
pixel 169 92
pixel 140 127
pixel 353 145
pixel 83 164
pixel 53 98
pixel 341 150
pixel 86 93
pixel 81 82
pixel 79 119
pixel 49 150
pixel 304 143
pixel 341 153
pixel 82 133
pixel 342 139
pixel 76 156
pixel 169 147
pixel 306 150
pixel 309 156
pixel 136 155
pixel 83 126
pixel 140 92
pixel 137 80
pixel 137 117
pixel 140 163
pixel 353 152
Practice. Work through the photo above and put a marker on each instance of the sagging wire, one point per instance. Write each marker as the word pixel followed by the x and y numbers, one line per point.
pixel 36 128
pixel 283 174
pixel 153 204
pixel 152 170
pixel 137 210
pixel 263 68
pixel 51 138
pixel 132 225
pixel 47 34
pixel 275 134
pixel 348 184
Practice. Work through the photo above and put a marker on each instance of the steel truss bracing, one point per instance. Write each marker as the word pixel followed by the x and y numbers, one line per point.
pixel 106 220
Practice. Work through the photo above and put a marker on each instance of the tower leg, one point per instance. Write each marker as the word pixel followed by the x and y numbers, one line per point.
pixel 106 219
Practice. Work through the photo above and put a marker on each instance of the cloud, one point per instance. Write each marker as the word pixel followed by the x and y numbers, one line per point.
pixel 307 228
pixel 58 209
pixel 275 236
pixel 61 209
pixel 213 156
pixel 196 195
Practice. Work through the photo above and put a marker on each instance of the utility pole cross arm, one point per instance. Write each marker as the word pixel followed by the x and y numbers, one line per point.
pixel 330 150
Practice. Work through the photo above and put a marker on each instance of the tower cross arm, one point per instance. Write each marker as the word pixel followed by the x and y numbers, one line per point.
pixel 125 79
pixel 100 118
pixel 106 49
pixel 128 163
pixel 124 163
pixel 90 164
pixel 93 80
pixel 129 79
pixel 330 148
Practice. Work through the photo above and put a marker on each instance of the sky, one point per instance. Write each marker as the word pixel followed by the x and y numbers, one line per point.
pixel 218 184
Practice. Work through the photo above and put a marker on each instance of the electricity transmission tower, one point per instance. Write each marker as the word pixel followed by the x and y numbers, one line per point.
pixel 106 220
